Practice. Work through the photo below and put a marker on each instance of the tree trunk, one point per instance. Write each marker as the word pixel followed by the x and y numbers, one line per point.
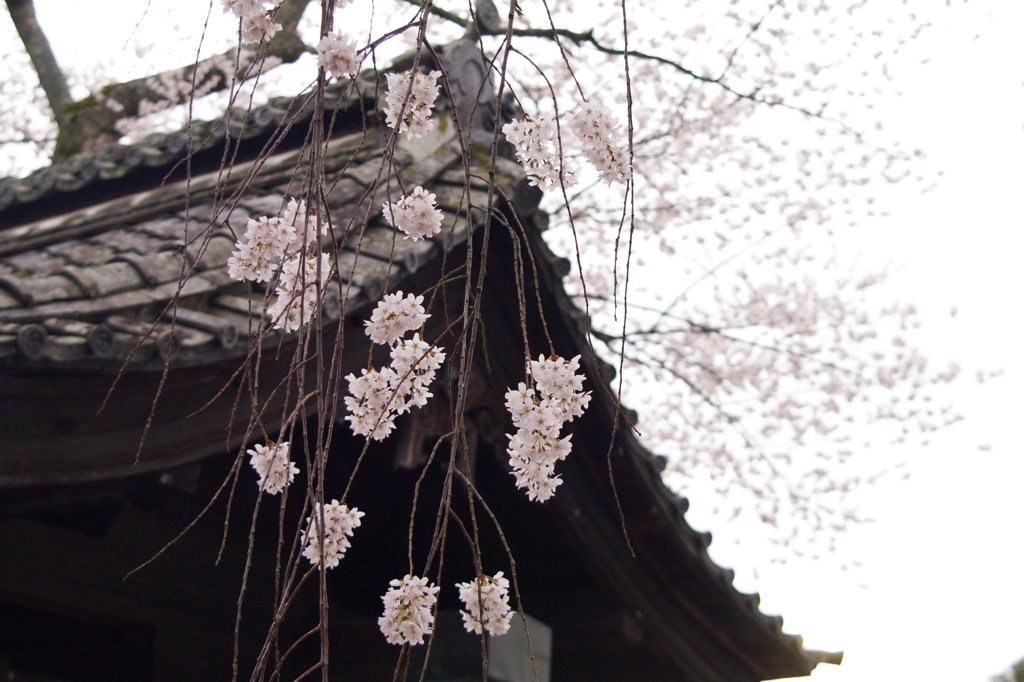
pixel 38 47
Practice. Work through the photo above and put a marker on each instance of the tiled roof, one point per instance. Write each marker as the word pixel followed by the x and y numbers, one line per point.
pixel 83 289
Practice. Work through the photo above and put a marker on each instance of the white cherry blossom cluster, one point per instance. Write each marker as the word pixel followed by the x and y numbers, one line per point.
pixel 415 214
pixel 272 463
pixel 377 397
pixel 270 239
pixel 394 316
pixel 536 142
pixel 337 54
pixel 339 524
pixel 561 386
pixel 414 363
pixel 303 221
pixel 408 610
pixel 284 245
pixel 299 290
pixel 256 23
pixel 539 414
pixel 486 601
pixel 595 130
pixel 266 240
pixel 422 91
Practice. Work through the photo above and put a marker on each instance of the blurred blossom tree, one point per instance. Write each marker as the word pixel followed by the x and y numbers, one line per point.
pixel 1014 674
pixel 754 351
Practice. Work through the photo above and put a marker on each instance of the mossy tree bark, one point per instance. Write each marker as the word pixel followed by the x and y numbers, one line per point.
pixel 88 125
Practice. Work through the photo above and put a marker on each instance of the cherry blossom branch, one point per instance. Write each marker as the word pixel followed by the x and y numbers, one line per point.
pixel 608 339
pixel 731 419
pixel 587 38
pixel 753 29
pixel 29 140
pixel 702 329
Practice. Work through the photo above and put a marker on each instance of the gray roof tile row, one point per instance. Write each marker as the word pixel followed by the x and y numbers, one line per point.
pixel 108 287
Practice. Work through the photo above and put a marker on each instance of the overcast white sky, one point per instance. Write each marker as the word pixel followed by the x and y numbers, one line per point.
pixel 940 596
pixel 940 593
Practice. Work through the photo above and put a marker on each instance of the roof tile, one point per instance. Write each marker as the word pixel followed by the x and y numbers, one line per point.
pixel 34 262
pixel 67 348
pixel 211 253
pixel 8 345
pixel 163 228
pixel 82 253
pixel 104 280
pixel 155 268
pixel 41 288
pixel 271 204
pixel 126 240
